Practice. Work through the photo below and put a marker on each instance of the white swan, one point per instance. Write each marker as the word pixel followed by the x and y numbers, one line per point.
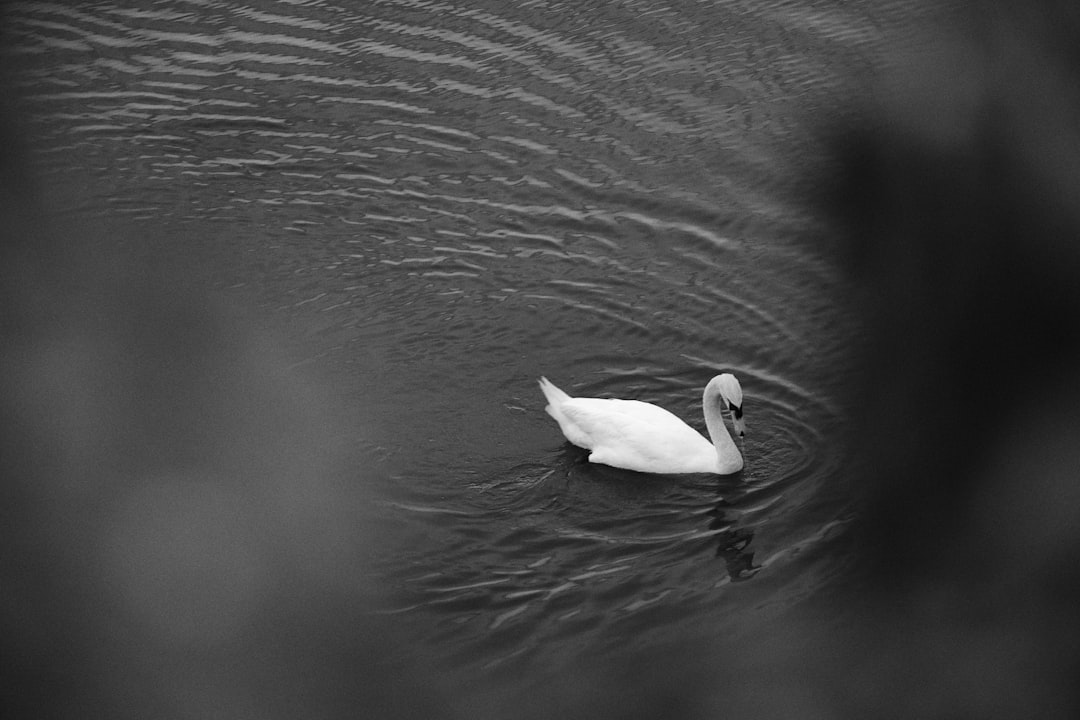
pixel 636 435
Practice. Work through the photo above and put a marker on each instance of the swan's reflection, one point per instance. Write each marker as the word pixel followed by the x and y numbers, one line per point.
pixel 734 539
pixel 733 542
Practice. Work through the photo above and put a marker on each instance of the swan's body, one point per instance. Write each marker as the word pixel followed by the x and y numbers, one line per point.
pixel 636 435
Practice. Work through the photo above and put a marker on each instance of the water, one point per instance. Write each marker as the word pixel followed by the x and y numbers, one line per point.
pixel 445 200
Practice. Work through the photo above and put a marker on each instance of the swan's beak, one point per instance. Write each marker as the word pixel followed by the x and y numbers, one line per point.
pixel 737 420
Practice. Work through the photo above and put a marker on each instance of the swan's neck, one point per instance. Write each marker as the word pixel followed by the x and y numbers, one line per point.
pixel 727 453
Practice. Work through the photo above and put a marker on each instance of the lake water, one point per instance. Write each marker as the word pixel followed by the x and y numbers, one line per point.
pixel 445 200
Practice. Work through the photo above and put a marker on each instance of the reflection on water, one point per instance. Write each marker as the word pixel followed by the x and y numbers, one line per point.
pixel 539 548
pixel 442 201
pixel 733 543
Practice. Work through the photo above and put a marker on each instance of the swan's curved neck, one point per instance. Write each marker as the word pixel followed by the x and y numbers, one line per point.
pixel 712 406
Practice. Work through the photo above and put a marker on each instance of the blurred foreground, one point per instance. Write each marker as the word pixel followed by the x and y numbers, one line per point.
pixel 180 535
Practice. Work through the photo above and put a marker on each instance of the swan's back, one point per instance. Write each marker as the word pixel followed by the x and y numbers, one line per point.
pixel 630 434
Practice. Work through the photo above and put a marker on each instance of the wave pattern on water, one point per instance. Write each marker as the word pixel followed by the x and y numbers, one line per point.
pixel 605 550
pixel 457 197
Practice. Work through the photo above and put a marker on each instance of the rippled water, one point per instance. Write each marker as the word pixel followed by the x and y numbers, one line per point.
pixel 453 198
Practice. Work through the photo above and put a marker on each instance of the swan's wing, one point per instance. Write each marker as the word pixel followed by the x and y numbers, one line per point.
pixel 633 434
pixel 604 418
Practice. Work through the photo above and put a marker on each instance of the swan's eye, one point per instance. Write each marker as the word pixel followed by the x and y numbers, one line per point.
pixel 737 411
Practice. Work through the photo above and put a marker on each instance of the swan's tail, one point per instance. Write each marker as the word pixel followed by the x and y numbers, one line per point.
pixel 556 399
pixel 554 395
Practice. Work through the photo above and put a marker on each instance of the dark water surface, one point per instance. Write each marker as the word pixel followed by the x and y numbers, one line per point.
pixel 449 199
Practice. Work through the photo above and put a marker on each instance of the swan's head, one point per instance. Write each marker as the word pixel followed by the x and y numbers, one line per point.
pixel 731 393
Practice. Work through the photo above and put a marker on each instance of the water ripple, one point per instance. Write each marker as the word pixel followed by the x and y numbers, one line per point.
pixel 454 199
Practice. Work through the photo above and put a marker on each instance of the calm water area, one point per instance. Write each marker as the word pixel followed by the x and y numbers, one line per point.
pixel 446 200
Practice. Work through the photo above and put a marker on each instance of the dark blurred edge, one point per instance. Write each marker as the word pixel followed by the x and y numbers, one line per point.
pixel 180 532
pixel 173 546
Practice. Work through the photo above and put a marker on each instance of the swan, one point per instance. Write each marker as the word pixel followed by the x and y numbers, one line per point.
pixel 636 435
